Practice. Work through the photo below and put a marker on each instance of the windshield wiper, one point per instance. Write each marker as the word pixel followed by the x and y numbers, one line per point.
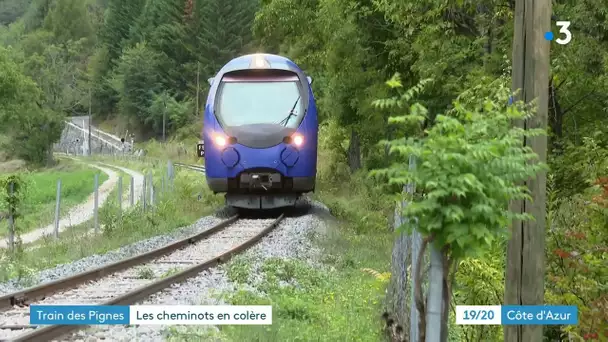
pixel 291 113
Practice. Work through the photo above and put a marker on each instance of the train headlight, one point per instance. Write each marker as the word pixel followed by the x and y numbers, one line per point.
pixel 259 62
pixel 298 140
pixel 220 141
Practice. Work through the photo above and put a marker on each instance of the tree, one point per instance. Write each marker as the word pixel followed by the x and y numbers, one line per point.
pixel 33 18
pixel 161 24
pixel 222 30
pixel 117 28
pixel 58 71
pixel 469 165
pixel 344 43
pixel 11 10
pixel 176 114
pixel 69 20
pixel 31 129
pixel 136 81
pixel 113 36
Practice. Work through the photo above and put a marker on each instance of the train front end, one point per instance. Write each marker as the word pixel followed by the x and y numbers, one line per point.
pixel 260 132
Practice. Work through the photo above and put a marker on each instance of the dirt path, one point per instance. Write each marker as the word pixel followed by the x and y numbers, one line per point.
pixel 138 184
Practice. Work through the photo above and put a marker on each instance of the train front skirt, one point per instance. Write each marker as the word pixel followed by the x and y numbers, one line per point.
pixel 254 201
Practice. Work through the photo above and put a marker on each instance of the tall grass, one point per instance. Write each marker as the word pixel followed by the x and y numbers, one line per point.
pixel 176 151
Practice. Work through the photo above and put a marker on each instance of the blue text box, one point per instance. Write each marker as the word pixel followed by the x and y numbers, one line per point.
pixel 539 315
pixel 79 314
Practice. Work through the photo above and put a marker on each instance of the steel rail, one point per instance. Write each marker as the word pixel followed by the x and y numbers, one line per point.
pixel 50 332
pixel 24 297
pixel 192 167
pixel 18 327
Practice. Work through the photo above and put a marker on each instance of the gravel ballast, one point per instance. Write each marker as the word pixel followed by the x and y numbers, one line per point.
pixel 96 260
pixel 290 240
pixel 123 282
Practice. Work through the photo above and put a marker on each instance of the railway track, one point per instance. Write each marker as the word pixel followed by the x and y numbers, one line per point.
pixel 199 168
pixel 122 283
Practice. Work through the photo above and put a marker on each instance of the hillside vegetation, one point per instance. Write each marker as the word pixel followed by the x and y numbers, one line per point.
pixel 140 59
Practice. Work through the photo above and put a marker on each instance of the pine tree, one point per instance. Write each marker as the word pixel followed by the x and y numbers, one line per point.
pixel 161 25
pixel 114 36
pixel 224 30
pixel 137 81
pixel 119 17
pixel 33 18
pixel 69 20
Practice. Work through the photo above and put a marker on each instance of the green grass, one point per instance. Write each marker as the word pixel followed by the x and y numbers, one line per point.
pixel 184 152
pixel 338 302
pixel 343 305
pixel 173 210
pixel 38 209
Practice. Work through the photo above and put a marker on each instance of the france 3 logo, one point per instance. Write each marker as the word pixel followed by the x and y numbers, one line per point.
pixel 566 35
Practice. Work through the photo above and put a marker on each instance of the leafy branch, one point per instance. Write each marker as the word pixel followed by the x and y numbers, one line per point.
pixel 470 164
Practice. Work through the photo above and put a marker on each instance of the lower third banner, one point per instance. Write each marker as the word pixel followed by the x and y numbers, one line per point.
pixel 516 315
pixel 151 314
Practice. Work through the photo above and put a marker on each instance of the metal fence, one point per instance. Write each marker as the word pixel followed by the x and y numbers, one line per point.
pixel 402 316
pixel 76 141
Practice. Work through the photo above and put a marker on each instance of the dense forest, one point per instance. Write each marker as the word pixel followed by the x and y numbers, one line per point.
pixel 138 59
pixel 135 59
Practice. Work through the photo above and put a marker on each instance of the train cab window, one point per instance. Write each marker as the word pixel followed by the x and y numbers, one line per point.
pixel 250 100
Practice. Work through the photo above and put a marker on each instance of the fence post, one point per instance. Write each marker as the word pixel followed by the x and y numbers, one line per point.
pixel 170 174
pixel 143 193
pixel 57 206
pixel 162 184
pixel 416 245
pixel 132 191
pixel 96 205
pixel 11 220
pixel 434 306
pixel 119 194
pixel 151 190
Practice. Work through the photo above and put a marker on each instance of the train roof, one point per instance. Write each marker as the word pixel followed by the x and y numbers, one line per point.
pixel 261 61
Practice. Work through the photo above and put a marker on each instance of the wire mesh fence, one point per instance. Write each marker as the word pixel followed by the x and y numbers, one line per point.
pixel 414 280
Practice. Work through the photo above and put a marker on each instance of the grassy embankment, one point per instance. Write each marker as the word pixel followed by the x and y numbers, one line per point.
pixel 38 208
pixel 338 303
pixel 177 208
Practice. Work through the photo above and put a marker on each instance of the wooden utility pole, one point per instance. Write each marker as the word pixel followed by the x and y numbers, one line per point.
pixel 525 268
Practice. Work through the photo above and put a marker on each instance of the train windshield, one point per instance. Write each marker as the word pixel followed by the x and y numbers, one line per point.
pixel 249 101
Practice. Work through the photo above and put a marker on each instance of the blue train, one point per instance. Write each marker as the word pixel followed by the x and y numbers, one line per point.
pixel 260 132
